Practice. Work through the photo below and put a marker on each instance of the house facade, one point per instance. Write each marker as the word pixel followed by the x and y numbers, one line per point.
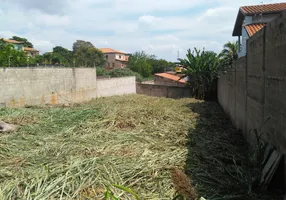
pixel 251 19
pixel 17 45
pixel 31 52
pixel 114 59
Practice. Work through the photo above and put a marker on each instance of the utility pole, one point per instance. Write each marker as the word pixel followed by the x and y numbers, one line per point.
pixel 261 12
pixel 9 60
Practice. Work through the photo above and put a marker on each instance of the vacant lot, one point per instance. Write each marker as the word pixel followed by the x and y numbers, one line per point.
pixel 75 152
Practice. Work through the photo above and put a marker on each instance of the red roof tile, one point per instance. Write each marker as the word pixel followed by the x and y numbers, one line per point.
pixel 30 49
pixel 109 50
pixel 263 8
pixel 171 77
pixel 253 28
pixel 12 41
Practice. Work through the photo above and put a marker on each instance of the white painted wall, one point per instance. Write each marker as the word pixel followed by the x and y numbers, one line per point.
pixel 244 38
pixel 120 56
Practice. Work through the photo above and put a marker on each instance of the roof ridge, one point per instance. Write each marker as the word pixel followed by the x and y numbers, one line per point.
pixel 263 8
pixel 266 4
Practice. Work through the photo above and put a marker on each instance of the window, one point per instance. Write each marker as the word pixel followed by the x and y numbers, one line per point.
pixel 106 56
pixel 119 56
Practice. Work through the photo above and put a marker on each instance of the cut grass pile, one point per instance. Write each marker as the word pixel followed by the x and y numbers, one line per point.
pixel 134 140
pixel 74 152
pixel 219 161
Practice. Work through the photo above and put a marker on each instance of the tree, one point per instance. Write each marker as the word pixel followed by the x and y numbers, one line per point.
pixel 89 56
pixel 38 59
pixel 48 58
pixel 57 59
pixel 62 55
pixel 81 43
pixel 138 62
pixel 61 50
pixel 26 43
pixel 229 53
pixel 10 57
pixel 202 68
pixel 160 66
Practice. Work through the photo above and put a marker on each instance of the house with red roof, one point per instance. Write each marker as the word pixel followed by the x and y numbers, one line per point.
pixel 114 59
pixel 251 19
pixel 31 52
pixel 169 79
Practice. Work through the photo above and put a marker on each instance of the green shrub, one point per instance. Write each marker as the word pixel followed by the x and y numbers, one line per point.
pixel 100 71
pixel 125 72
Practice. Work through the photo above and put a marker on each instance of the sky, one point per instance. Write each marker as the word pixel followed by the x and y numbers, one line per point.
pixel 160 27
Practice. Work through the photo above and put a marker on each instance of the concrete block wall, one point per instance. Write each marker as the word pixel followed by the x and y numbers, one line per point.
pixel 116 86
pixel 32 86
pixel 255 84
pixel 231 94
pixel 275 81
pixel 163 90
pixel 259 86
pixel 223 92
pixel 240 93
pixel 163 81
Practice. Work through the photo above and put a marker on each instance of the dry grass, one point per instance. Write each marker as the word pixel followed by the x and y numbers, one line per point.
pixel 75 152
pixel 183 185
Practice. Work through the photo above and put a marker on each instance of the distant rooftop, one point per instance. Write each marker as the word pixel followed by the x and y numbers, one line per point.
pixel 12 41
pixel 30 49
pixel 171 77
pixel 109 50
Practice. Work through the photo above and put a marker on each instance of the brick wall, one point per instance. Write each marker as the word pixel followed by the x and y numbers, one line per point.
pixel 253 93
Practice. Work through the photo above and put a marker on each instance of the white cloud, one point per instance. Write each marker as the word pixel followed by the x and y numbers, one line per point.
pixel 161 27
pixel 149 19
pixel 50 20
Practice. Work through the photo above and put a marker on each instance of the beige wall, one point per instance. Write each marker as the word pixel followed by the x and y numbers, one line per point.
pixel 163 90
pixel 116 86
pixel 253 93
pixel 31 86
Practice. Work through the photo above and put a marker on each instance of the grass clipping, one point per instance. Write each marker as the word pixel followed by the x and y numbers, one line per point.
pixel 75 152
pixel 136 141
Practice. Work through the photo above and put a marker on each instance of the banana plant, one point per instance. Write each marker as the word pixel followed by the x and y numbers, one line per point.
pixel 202 67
